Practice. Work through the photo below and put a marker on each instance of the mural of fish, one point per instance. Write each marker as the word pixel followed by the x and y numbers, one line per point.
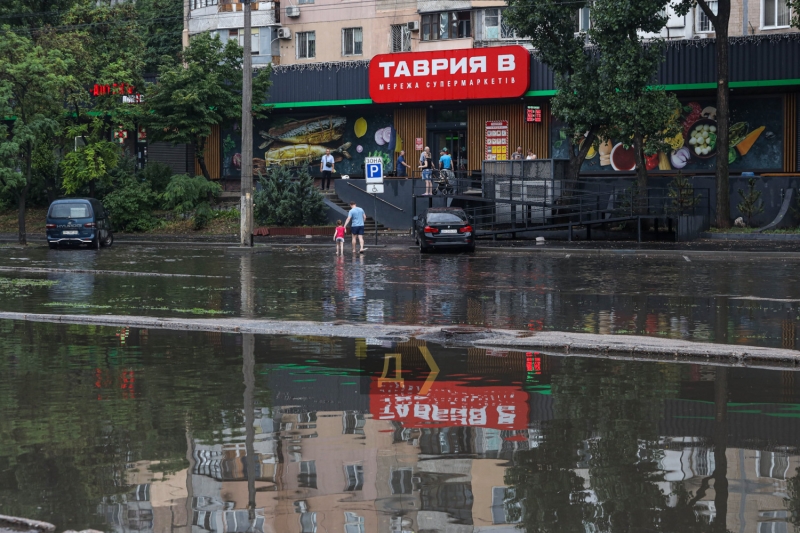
pixel 317 130
pixel 299 154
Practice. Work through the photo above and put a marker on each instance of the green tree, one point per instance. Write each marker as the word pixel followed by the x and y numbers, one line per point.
pixel 274 187
pixel 89 164
pixel 205 91
pixel 627 70
pixel 551 26
pixel 161 25
pixel 719 14
pixel 32 79
pixel 312 203
pixel 187 195
pixel 751 204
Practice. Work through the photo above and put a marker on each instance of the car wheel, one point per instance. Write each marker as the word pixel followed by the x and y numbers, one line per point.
pixel 109 240
pixel 53 245
pixel 423 249
pixel 471 248
pixel 95 244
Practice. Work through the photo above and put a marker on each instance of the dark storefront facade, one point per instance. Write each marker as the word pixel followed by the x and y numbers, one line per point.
pixel 321 106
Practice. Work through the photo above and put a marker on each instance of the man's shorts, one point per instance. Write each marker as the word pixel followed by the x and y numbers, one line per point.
pixel 426 174
pixel 357 230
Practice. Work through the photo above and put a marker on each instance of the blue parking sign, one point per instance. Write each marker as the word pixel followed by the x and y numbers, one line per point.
pixel 373 169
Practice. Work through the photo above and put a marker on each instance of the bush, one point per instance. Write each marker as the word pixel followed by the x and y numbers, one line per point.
pixel 130 206
pixel 186 195
pixel 158 175
pixel 751 204
pixel 282 201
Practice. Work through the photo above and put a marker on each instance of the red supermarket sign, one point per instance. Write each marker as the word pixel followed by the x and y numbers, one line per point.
pixel 449 404
pixel 475 73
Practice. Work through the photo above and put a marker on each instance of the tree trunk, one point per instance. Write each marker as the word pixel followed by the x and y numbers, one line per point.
pixel 576 159
pixel 23 194
pixel 641 173
pixel 199 151
pixel 91 188
pixel 723 114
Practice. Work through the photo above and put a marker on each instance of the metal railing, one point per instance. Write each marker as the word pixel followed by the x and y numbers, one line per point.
pixel 376 197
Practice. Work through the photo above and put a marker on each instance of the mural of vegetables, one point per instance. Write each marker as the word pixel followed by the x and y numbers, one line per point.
pixel 360 127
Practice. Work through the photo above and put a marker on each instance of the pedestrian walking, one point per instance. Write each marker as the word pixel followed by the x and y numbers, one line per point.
pixel 326 166
pixel 338 237
pixel 402 166
pixel 426 165
pixel 445 161
pixel 357 216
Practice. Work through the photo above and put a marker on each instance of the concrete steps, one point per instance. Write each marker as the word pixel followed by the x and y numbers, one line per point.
pixel 369 222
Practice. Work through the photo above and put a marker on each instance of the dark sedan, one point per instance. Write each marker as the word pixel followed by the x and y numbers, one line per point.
pixel 444 227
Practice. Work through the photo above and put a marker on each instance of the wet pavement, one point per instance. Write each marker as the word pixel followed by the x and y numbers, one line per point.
pixel 131 430
pixel 750 301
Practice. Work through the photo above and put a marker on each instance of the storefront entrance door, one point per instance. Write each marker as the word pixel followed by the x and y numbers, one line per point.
pixel 456 143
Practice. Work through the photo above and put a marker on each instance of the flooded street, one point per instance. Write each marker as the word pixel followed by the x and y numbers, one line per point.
pixel 125 429
pixel 707 300
pixel 132 430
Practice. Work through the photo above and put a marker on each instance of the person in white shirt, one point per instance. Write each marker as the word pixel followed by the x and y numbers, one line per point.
pixel 531 155
pixel 326 167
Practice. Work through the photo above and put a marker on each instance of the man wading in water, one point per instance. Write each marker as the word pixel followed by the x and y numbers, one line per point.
pixel 357 228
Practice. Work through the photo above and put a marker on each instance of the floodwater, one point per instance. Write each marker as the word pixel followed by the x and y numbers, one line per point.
pixel 742 302
pixel 128 430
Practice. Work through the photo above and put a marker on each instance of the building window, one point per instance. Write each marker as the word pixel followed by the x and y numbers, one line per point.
pixel 305 1
pixel 704 25
pixel 448 25
pixel 504 509
pixel 583 20
pixel 353 423
pixel 401 38
pixel 306 45
pixel 353 523
pixel 238 36
pixel 308 475
pixel 308 522
pixel 401 482
pixel 354 478
pixel 776 14
pixel 352 42
pixel 197 4
pixel 493 27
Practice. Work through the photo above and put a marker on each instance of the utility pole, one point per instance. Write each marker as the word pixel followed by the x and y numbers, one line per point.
pixel 246 207
pixel 185 34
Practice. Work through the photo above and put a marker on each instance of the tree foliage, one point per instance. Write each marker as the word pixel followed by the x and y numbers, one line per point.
pixel 187 195
pixel 205 91
pixel 31 79
pixel 130 206
pixel 751 204
pixel 551 25
pixel 160 26
pixel 628 65
pixel 284 201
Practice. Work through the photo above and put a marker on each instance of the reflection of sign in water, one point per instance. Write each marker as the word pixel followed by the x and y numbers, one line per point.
pixel 496 140
pixel 449 404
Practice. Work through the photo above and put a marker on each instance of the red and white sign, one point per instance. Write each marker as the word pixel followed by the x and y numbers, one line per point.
pixel 449 404
pixel 470 74
pixel 419 144
pixel 496 140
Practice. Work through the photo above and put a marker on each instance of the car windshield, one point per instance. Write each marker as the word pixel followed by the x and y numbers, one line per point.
pixel 445 218
pixel 76 210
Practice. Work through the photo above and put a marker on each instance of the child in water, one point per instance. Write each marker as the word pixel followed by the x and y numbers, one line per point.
pixel 338 237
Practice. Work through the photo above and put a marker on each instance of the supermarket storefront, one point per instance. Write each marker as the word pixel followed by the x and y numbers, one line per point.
pixel 482 103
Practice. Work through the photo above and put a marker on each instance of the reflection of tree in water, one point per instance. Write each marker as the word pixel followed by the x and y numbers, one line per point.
pixel 597 466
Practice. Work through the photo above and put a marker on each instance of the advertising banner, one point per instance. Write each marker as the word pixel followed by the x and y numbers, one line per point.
pixel 470 74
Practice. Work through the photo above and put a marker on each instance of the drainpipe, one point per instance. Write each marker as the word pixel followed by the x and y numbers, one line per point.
pixel 744 17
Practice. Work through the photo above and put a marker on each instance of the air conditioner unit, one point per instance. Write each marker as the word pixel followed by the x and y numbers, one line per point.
pixel 284 33
pixel 413 25
pixel 293 11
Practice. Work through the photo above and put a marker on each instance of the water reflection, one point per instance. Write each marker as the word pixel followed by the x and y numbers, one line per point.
pixel 229 433
pixel 702 300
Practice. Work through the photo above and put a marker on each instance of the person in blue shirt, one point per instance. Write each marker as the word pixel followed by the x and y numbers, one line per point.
pixel 445 161
pixel 357 216
pixel 402 165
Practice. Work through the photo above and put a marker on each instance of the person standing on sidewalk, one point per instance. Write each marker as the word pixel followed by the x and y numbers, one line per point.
pixel 426 165
pixel 357 216
pixel 326 167
pixel 402 166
